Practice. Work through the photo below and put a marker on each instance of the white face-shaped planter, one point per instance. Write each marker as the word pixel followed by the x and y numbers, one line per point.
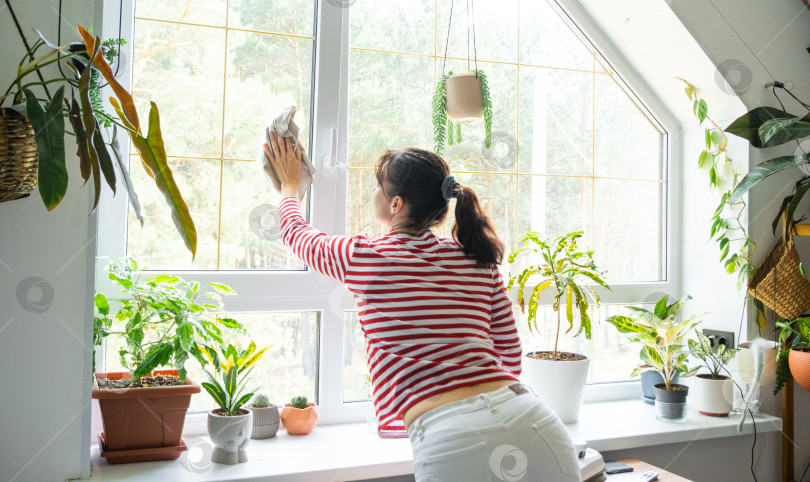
pixel 229 435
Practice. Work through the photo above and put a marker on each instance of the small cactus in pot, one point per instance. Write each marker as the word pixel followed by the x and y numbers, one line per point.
pixel 265 417
pixel 299 416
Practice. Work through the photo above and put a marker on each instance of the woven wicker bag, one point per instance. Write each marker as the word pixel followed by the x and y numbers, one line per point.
pixel 18 156
pixel 464 99
pixel 778 283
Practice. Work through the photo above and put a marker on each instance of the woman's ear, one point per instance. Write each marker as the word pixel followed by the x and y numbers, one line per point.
pixel 397 204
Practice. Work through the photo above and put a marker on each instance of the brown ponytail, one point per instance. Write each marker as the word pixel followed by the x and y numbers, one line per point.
pixel 418 176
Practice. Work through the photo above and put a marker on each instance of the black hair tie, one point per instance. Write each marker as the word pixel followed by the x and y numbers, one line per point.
pixel 448 186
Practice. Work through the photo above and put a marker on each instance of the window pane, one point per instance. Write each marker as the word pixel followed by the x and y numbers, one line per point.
pixel 553 206
pixel 617 116
pixel 294 17
pixel 628 230
pixel 556 121
pixel 545 39
pixel 157 243
pixel 356 380
pixel 180 68
pixel 287 369
pixel 389 104
pixel 496 31
pixel 394 25
pixel 204 12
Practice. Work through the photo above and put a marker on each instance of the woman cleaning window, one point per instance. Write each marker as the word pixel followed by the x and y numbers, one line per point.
pixel 443 348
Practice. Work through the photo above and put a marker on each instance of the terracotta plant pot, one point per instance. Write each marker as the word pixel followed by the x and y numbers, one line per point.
pixel 558 383
pixel 137 421
pixel 713 397
pixel 799 362
pixel 299 421
pixel 265 421
pixel 230 435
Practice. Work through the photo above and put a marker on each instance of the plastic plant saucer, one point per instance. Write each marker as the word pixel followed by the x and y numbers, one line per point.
pixel 139 455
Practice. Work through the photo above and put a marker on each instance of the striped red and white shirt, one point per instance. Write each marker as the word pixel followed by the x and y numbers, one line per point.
pixel 433 319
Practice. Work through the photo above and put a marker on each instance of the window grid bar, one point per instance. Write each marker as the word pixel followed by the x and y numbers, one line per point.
pixel 222 136
pixel 517 135
pixel 226 27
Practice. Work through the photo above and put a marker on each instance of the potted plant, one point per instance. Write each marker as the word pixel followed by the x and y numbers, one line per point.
pixel 299 417
pixel 662 348
pixel 559 377
pixel 33 128
pixel 265 417
pixel 713 392
pixel 794 357
pixel 163 324
pixel 460 98
pixel 230 426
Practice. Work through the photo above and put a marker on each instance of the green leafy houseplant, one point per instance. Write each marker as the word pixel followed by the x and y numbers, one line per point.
pixel 714 362
pixel 443 128
pixel 233 365
pixel 661 338
pixel 164 320
pixel 99 155
pixel 727 226
pixel 570 272
pixel 794 334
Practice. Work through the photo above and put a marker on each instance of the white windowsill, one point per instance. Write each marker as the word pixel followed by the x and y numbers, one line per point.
pixel 350 452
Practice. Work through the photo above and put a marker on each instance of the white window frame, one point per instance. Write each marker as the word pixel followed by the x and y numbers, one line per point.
pixel 294 291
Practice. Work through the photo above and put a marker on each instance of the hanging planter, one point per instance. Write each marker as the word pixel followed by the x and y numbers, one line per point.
pixel 459 99
pixel 18 156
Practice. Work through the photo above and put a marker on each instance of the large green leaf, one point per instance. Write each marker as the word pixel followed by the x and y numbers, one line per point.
pixel 217 394
pixel 49 129
pixel 776 132
pixel 153 155
pixel 747 126
pixel 82 143
pixel 625 324
pixel 89 122
pixel 104 159
pixel 763 170
pixel 798 194
pixel 122 167
pixel 157 355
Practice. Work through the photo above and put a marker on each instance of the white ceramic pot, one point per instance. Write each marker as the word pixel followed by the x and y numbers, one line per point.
pixel 745 363
pixel 230 436
pixel 712 397
pixel 464 98
pixel 558 383
pixel 265 421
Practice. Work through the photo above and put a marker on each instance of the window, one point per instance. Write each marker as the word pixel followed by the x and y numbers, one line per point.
pixel 573 148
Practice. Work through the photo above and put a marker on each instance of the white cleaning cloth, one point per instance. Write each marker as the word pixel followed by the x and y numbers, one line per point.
pixel 284 126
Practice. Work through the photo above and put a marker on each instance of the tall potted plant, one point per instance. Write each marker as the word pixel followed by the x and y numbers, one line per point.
pixel 713 391
pixel 163 324
pixel 663 349
pixel 230 426
pixel 559 377
pixel 33 129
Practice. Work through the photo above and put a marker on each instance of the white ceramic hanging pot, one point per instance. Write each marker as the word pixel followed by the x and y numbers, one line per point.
pixel 464 98
pixel 713 397
pixel 559 383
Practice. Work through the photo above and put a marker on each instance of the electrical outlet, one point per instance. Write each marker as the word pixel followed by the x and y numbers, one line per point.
pixel 717 338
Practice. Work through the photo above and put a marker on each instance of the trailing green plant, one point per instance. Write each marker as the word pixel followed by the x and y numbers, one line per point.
pixel 164 320
pixel 702 349
pixel 661 338
pixel 727 227
pixel 569 271
pixel 793 334
pixel 299 402
pixel 233 365
pixel 98 150
pixel 443 128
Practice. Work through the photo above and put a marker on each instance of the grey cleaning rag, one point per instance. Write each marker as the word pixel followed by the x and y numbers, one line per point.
pixel 285 126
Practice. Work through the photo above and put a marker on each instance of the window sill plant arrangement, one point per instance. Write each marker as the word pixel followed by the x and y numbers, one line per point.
pixel 713 392
pixel 230 426
pixel 460 98
pixel 33 129
pixel 663 350
pixel 163 324
pixel 558 377
pixel 299 416
pixel 265 417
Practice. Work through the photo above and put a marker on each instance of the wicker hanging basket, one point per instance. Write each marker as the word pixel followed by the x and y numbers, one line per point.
pixel 18 156
pixel 464 98
pixel 778 283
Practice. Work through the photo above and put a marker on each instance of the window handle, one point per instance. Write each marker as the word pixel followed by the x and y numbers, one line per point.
pixel 329 161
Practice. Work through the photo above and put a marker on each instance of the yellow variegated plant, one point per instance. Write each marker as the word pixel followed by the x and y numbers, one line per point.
pixel 662 338
pixel 232 364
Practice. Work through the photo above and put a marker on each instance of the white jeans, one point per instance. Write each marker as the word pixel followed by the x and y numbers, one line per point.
pixel 505 435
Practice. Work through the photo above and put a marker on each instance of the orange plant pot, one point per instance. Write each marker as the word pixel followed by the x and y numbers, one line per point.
pixel 299 421
pixel 142 424
pixel 799 361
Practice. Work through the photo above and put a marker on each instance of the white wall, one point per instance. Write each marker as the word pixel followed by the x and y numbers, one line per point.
pixel 44 342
